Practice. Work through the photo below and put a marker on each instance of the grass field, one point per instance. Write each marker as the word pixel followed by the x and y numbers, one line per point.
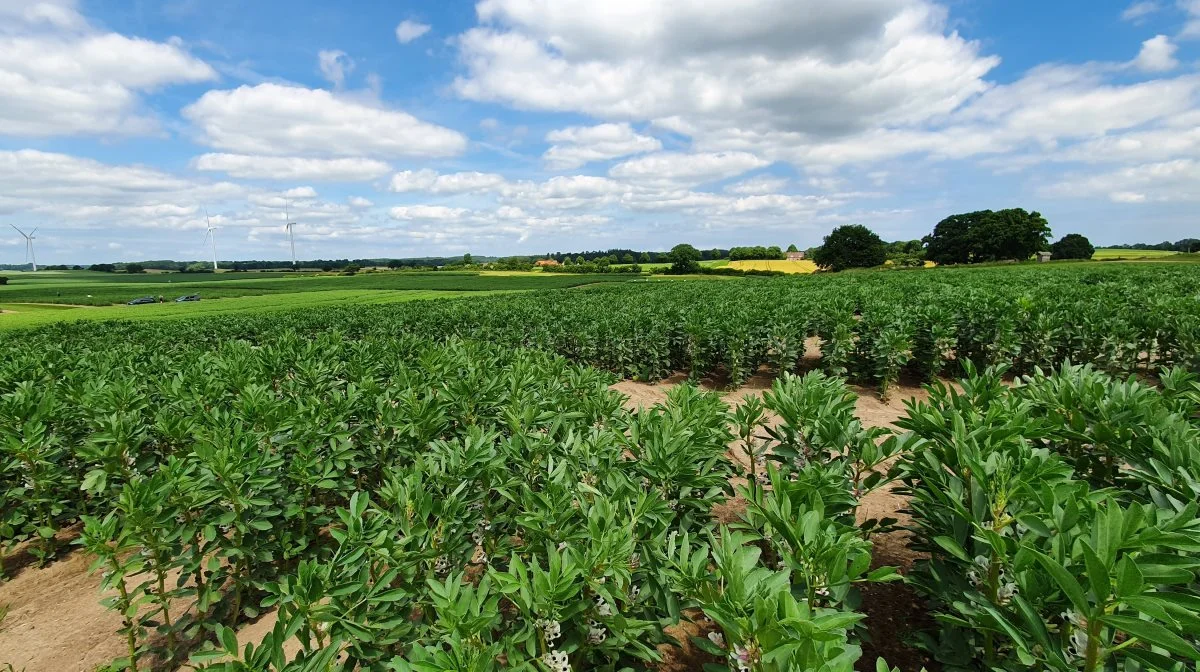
pixel 18 315
pixel 804 266
pixel 106 289
pixel 1110 253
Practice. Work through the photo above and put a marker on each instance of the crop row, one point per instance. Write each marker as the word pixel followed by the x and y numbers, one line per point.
pixel 873 328
pixel 404 499
pixel 410 506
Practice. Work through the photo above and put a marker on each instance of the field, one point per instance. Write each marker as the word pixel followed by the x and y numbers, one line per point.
pixel 103 289
pixel 1104 254
pixel 804 266
pixel 670 476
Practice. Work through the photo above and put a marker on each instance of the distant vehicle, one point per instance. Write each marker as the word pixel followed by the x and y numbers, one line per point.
pixel 143 300
pixel 189 297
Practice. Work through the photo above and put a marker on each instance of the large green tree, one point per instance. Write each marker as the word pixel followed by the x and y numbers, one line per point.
pixel 850 246
pixel 985 235
pixel 1073 246
pixel 684 259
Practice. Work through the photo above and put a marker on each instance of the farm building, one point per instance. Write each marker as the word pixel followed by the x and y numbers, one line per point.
pixel 795 256
pixel 1043 257
pixel 546 262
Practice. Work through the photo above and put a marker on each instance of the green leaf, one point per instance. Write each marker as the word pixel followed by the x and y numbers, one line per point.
pixel 1097 573
pixel 1035 525
pixel 1129 578
pixel 1067 583
pixel 1153 634
pixel 952 547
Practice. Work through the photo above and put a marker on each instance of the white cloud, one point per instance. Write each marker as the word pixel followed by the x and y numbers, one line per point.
pixel 566 192
pixel 80 192
pixel 1166 181
pixel 359 202
pixel 455 183
pixel 292 168
pixel 686 169
pixel 1157 55
pixel 578 145
pixel 1138 11
pixel 426 212
pixel 761 184
pixel 748 63
pixel 291 120
pixel 409 30
pixel 1191 29
pixel 335 65
pixel 61 76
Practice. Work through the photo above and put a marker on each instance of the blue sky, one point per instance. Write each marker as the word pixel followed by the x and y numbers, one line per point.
pixel 524 126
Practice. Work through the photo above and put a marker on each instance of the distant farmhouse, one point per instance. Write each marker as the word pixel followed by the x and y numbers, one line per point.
pixel 546 262
pixel 795 256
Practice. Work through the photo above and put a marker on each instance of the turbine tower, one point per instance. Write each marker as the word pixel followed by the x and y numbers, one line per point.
pixel 29 255
pixel 288 224
pixel 209 236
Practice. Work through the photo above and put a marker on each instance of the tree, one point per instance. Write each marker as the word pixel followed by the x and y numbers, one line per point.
pixel 1011 234
pixel 773 252
pixel 973 237
pixel 351 269
pixel 1073 246
pixel 792 248
pixel 850 246
pixel 951 241
pixel 102 268
pixel 1188 245
pixel 3 280
pixel 645 258
pixel 684 259
pixel 628 259
pixel 135 268
pixel 468 259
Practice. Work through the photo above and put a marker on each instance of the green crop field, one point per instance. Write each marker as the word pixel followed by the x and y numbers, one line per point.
pixel 102 289
pixel 18 315
pixel 444 485
pixel 1103 254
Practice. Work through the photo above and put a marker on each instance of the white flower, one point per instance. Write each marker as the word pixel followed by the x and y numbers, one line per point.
pixel 441 565
pixel 557 661
pixel 717 638
pixel 634 593
pixel 603 608
pixel 596 635
pixel 551 630
pixel 635 561
pixel 1006 592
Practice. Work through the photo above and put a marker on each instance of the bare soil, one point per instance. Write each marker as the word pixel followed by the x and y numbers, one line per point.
pixel 56 623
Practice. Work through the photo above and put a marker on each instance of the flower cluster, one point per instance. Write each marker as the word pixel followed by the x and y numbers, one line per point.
pixel 1077 646
pixel 745 656
pixel 596 632
pixel 441 566
pixel 978 578
pixel 602 607
pixel 557 661
pixel 551 632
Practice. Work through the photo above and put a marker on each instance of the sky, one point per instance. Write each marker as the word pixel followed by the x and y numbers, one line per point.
pixel 498 127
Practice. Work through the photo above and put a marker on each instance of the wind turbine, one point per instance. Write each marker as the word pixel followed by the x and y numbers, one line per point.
pixel 288 224
pixel 29 255
pixel 209 236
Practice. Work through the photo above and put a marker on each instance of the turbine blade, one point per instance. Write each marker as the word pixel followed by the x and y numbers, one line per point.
pixel 14 226
pixel 35 230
